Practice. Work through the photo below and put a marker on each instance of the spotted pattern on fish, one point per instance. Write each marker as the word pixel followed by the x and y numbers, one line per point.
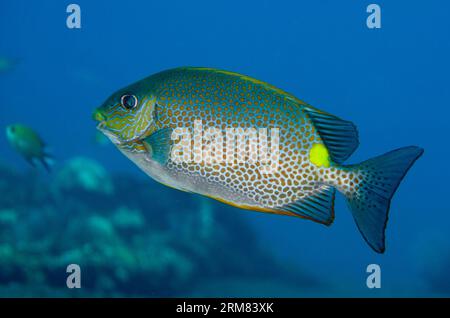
pixel 312 147
pixel 227 100
pixel 207 96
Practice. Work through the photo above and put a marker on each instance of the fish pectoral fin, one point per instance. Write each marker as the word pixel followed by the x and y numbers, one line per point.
pixel 318 207
pixel 159 145
pixel 340 136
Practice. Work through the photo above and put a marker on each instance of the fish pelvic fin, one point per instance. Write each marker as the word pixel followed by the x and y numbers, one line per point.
pixel 369 188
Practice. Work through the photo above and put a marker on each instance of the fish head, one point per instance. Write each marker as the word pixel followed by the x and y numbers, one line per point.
pixel 25 140
pixel 11 132
pixel 15 132
pixel 126 116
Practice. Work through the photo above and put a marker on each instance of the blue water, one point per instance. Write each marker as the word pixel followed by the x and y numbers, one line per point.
pixel 393 83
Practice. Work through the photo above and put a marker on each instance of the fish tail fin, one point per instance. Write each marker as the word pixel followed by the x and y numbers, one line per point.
pixel 47 161
pixel 376 181
pixel 31 161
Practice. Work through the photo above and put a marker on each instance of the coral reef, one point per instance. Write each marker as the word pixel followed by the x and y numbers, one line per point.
pixel 84 174
pixel 130 236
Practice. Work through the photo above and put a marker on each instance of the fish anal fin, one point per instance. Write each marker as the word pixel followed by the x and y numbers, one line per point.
pixel 318 207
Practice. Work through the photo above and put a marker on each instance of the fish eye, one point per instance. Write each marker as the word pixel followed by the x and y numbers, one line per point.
pixel 128 101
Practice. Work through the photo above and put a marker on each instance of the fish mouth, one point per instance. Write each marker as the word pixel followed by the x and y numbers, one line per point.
pixel 99 117
pixel 111 136
pixel 101 126
pixel 115 139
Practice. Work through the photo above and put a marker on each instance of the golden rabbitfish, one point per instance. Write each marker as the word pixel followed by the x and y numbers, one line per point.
pixel 312 145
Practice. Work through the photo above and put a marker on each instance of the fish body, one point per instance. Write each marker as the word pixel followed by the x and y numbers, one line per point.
pixel 28 144
pixel 297 177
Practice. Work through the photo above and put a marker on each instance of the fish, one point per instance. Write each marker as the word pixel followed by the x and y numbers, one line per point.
pixel 308 147
pixel 7 64
pixel 29 144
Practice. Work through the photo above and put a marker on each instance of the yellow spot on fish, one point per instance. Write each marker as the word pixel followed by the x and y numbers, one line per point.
pixel 319 156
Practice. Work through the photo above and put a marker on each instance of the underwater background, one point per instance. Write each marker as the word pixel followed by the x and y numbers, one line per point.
pixel 134 237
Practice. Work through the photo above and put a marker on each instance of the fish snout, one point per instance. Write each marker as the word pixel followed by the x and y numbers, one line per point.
pixel 98 116
pixel 102 126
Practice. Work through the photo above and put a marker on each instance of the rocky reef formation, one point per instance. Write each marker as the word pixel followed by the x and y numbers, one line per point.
pixel 130 236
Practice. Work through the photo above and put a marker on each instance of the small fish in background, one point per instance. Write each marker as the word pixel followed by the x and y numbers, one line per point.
pixel 7 64
pixel 313 146
pixel 28 143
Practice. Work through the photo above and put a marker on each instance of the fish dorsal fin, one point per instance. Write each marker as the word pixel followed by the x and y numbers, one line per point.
pixel 159 144
pixel 318 207
pixel 340 136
